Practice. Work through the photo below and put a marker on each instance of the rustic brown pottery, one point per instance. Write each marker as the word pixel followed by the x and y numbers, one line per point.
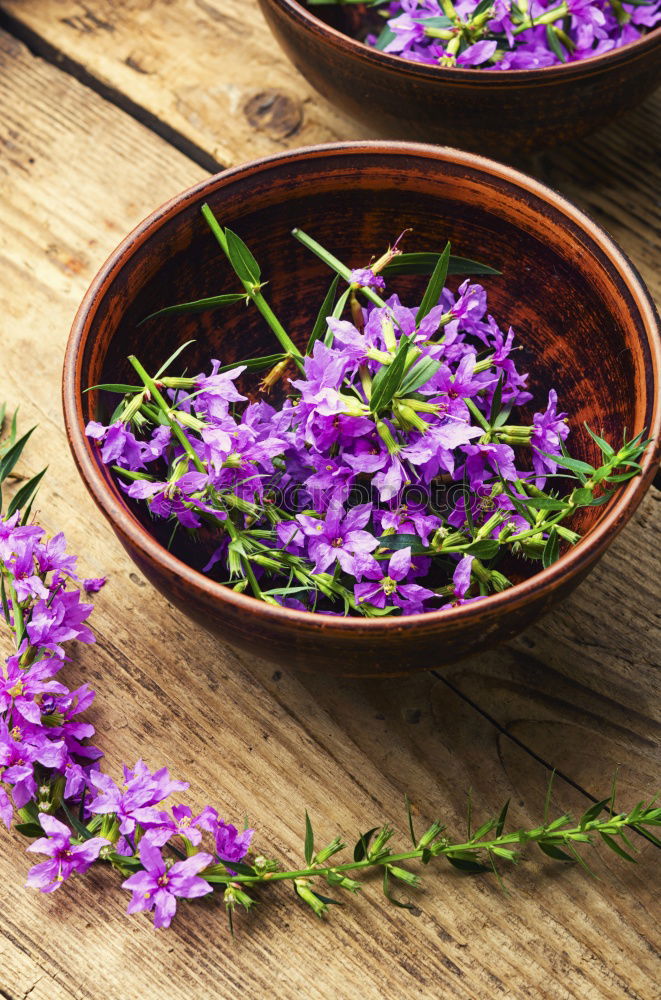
pixel 499 113
pixel 586 322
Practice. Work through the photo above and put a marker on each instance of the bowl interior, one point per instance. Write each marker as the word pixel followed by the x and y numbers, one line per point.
pixel 574 315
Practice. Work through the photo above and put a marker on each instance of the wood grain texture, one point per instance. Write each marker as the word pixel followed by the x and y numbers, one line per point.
pixel 209 68
pixel 186 64
pixel 75 175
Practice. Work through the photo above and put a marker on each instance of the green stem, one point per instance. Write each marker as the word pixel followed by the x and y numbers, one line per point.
pixel 579 833
pixel 255 294
pixel 163 404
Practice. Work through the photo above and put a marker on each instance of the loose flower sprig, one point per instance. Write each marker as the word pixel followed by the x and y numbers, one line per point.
pixel 498 34
pixel 394 477
pixel 51 779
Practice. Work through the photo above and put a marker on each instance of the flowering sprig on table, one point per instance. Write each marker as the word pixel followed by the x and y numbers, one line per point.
pixel 53 789
pixel 499 34
pixel 394 478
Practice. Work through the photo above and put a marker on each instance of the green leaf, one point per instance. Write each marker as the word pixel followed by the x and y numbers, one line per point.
pixel 424 263
pixel 254 364
pixel 437 20
pixel 614 846
pixel 435 286
pixel 591 814
pixel 414 839
pixel 389 377
pixel 29 829
pixel 603 445
pixel 238 866
pixel 79 827
pixel 363 843
pixel 574 464
pixel 11 457
pixel 120 387
pixel 396 542
pixel 173 357
pixel 554 852
pixel 554 44
pixel 500 822
pixel 309 840
pixel 385 38
pixel 26 493
pixel 551 549
pixel 388 894
pixel 418 375
pixel 321 322
pixel 483 548
pixel 241 259
pixel 197 306
pixel 467 865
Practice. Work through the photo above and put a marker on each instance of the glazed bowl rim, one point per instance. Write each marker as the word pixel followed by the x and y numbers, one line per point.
pixel 128 527
pixel 447 74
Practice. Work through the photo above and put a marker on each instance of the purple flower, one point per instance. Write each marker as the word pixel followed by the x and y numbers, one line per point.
pixel 15 536
pixel 65 856
pixel 19 689
pixel 364 277
pixel 53 556
pixel 134 802
pixel 6 808
pixel 549 430
pixel 158 886
pixel 20 749
pixel 94 584
pixel 231 845
pixel 339 537
pixel 461 581
pixel 182 823
pixel 389 586
pixel 119 445
pixel 476 54
pixel 486 460
pixel 58 620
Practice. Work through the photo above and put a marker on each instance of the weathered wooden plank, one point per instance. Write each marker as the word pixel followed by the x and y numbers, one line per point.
pixel 210 70
pixel 21 977
pixel 75 174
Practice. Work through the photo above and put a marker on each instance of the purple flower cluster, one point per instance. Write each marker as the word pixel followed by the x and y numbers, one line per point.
pixel 375 482
pixel 510 34
pixel 48 766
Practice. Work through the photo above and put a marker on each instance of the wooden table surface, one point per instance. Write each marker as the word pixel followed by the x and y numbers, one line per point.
pixel 107 108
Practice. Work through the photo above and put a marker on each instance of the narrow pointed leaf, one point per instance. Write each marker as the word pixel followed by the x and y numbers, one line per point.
pixel 321 322
pixel 309 840
pixel 197 306
pixel 435 286
pixel 26 493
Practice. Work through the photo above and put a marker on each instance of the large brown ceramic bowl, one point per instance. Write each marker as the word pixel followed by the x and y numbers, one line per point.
pixel 586 322
pixel 498 113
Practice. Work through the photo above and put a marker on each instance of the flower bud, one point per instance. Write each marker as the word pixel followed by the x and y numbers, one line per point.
pixel 430 835
pixel 303 890
pixel 328 852
pixel 380 841
pixel 408 877
pixel 343 882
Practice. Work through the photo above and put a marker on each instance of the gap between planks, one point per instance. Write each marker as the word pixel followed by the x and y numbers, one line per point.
pixel 38 46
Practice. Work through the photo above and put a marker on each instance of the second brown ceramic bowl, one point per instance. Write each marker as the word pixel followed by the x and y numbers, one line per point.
pixel 498 113
pixel 587 325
